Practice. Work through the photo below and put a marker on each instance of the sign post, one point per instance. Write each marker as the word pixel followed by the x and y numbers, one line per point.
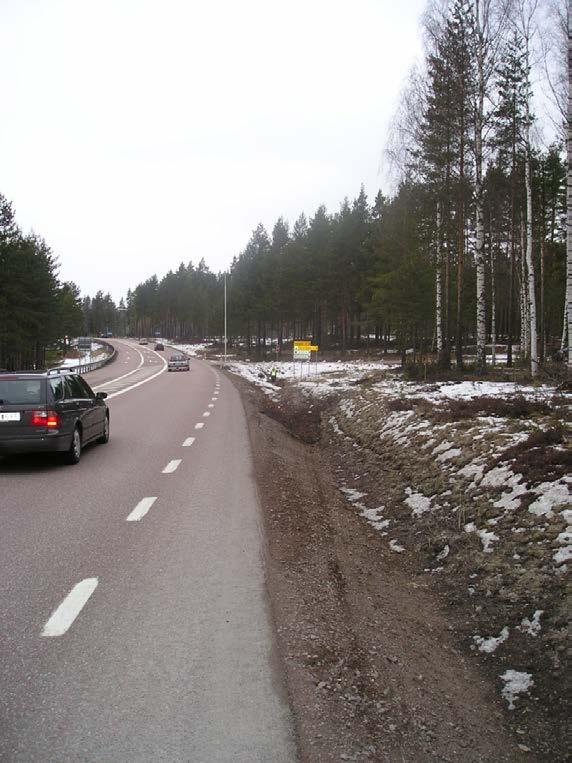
pixel 302 351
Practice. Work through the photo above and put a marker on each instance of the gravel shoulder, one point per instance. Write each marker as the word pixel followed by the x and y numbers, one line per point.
pixel 375 652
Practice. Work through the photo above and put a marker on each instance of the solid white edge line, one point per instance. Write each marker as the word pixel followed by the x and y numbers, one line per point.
pixel 142 360
pixel 188 442
pixel 138 384
pixel 63 617
pixel 200 425
pixel 141 509
pixel 172 466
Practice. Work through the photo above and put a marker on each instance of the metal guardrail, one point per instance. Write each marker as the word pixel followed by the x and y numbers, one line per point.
pixel 84 368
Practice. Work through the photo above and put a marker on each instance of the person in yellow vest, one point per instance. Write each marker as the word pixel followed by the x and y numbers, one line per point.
pixel 273 373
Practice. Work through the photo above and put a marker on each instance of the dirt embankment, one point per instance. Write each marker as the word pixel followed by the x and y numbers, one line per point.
pixel 374 649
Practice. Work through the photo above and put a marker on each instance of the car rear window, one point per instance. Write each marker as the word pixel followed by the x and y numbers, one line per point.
pixel 21 391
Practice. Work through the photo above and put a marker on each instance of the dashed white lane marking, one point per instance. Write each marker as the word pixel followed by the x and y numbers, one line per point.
pixel 210 405
pixel 207 413
pixel 188 442
pixel 200 425
pixel 214 398
pixel 172 466
pixel 141 509
pixel 63 617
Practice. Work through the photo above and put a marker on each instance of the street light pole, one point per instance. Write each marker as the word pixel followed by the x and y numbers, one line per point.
pixel 225 337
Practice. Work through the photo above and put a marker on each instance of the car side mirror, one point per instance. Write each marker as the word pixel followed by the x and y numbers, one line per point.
pixel 101 395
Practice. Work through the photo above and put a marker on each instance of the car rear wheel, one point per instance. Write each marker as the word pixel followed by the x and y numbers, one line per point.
pixel 105 434
pixel 73 455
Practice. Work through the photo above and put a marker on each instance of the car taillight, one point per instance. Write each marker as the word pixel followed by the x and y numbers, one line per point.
pixel 49 419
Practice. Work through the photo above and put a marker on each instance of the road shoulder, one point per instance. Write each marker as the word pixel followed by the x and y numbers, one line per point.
pixel 372 667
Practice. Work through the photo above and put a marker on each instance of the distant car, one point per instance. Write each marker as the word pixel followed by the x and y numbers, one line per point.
pixel 159 346
pixel 50 411
pixel 178 362
pixel 143 341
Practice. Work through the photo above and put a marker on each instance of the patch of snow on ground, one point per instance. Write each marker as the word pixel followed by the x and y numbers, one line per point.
pixel 497 477
pixel 375 518
pixel 551 494
pixel 445 445
pixel 532 627
pixel 511 501
pixel 486 537
pixel 449 454
pixel 467 390
pixel 443 554
pixel 418 502
pixel 334 425
pixel 563 555
pixel 490 645
pixel 190 349
pixel 472 470
pixel 515 682
pixel 347 407
pixel 394 546
pixel 352 495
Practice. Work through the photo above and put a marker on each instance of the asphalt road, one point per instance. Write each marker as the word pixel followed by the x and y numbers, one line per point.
pixel 134 624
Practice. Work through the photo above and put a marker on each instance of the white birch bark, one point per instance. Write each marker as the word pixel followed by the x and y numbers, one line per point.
pixel 530 267
pixel 528 188
pixel 493 309
pixel 569 201
pixel 524 325
pixel 479 212
pixel 439 286
pixel 564 337
pixel 525 23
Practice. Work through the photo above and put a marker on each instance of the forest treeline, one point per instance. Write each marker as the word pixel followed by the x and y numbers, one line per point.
pixel 36 310
pixel 469 253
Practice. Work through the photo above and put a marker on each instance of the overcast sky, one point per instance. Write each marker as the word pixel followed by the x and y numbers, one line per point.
pixel 135 134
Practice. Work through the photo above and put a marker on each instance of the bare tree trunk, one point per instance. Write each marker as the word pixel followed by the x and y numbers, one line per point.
pixel 439 287
pixel 529 262
pixel 524 324
pixel 542 308
pixel 493 303
pixel 479 213
pixel 569 202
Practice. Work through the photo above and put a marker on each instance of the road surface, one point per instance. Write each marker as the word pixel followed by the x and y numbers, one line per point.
pixel 134 622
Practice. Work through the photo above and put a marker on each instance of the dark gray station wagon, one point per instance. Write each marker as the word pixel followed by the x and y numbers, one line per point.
pixel 50 411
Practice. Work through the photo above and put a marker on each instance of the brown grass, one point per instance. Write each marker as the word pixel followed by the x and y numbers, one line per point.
pixel 517 407
pixel 541 457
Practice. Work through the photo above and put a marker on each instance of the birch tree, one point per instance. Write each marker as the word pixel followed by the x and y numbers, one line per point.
pixel 489 23
pixel 524 20
pixel 568 320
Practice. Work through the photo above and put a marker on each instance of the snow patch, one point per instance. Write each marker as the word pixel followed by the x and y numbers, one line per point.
pixel 490 645
pixel 449 454
pixel 418 502
pixel 486 536
pixel 516 682
pixel 551 494
pixel 443 554
pixel 497 477
pixel 352 495
pixel 532 627
pixel 394 546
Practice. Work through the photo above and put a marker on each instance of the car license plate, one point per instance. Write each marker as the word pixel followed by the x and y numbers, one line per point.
pixel 10 416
